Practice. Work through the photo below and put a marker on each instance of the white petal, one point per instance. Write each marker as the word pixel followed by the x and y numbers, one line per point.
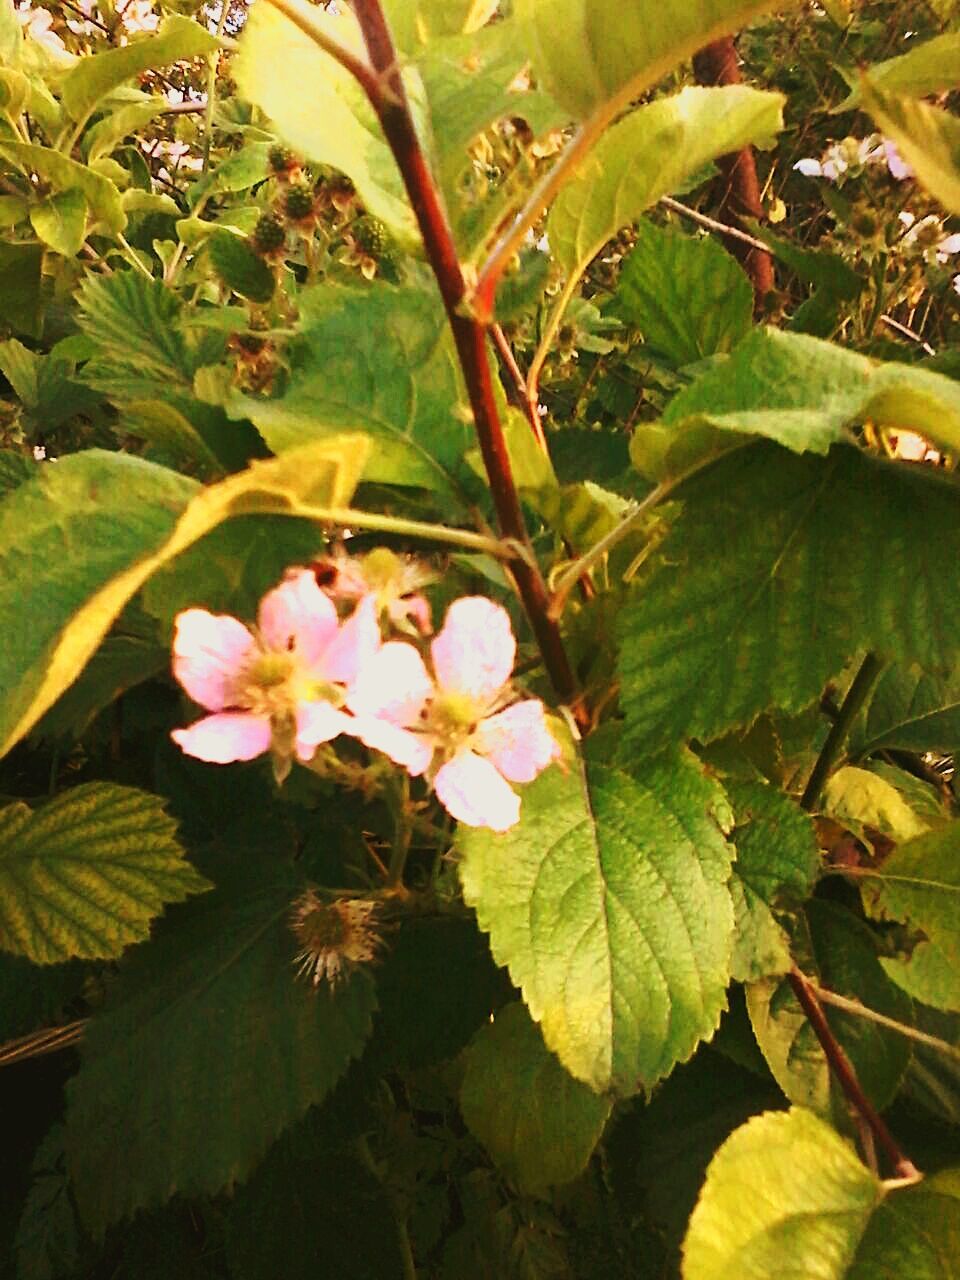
pixel 298 617
pixel 352 646
pixel 471 789
pixel 413 751
pixel 209 652
pixel 517 741
pixel 319 722
pixel 221 739
pixel 474 652
pixel 393 685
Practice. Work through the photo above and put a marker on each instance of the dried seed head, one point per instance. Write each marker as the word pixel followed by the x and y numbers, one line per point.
pixel 335 937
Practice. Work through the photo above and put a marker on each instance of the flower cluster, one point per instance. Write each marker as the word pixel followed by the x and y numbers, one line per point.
pixel 305 675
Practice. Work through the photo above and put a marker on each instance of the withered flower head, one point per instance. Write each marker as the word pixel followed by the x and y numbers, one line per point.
pixel 335 937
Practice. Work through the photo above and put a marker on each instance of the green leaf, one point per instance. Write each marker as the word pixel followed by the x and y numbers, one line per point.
pixel 173 438
pixel 110 131
pixel 319 109
pixel 914 1232
pixel 609 904
pixel 239 267
pixel 648 155
pixel 788 1043
pixel 927 138
pixel 816 1201
pixel 933 66
pixel 920 883
pixel 776 868
pixel 709 640
pixel 861 798
pixel 597 55
pixel 538 1124
pixel 909 710
pixel 78 541
pixel 11 34
pixel 20 267
pixel 65 174
pixel 135 324
pixel 60 221
pixel 48 1236
pixel 237 1048
pixel 380 360
pixel 308 1210
pixel 85 875
pixel 806 394
pixel 689 298
pixel 98 74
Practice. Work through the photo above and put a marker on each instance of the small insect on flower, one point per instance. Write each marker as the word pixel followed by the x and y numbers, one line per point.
pixel 335 937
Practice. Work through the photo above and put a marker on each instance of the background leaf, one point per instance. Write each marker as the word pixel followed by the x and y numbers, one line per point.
pixel 537 1122
pixel 911 710
pixel 817 1200
pixel 85 875
pixel 927 138
pixel 60 221
pixel 649 154
pixel 711 640
pixel 237 1047
pixel 608 902
pixel 776 866
pixel 914 1232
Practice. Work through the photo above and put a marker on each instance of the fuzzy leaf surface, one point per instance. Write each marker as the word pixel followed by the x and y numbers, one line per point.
pixel 928 139
pixel 537 1122
pixel 379 360
pixel 609 903
pixel 596 54
pixel 712 640
pixel 81 538
pixel 649 154
pixel 816 1201
pixel 84 876
pixel 207 1032
pixel 806 394
pixel 776 866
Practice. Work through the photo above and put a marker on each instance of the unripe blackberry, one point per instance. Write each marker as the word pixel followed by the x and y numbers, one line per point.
pixel 371 236
pixel 282 160
pixel 269 235
pixel 298 204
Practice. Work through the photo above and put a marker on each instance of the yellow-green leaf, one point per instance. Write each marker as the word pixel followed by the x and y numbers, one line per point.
pixel 927 138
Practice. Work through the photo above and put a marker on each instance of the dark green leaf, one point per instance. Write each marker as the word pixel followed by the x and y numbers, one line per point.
pixel 910 710
pixel 763 590
pixel 914 1233
pixel 537 1122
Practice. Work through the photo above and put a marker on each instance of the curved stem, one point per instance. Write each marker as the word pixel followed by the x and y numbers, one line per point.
pixel 871 1015
pixel 301 15
pixel 842 1068
pixel 212 67
pixel 349 517
pixel 389 99
pixel 856 696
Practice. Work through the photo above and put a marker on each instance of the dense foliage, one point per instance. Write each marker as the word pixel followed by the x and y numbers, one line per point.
pixel 479 540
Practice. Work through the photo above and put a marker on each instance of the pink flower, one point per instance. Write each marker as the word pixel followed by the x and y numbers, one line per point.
pixel 466 716
pixel 393 580
pixel 898 168
pixel 281 687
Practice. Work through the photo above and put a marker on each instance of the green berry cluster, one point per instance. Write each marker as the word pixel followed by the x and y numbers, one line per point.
pixel 269 235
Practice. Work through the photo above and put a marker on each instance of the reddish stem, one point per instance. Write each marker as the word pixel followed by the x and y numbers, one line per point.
pixel 842 1068
pixel 716 64
pixel 393 111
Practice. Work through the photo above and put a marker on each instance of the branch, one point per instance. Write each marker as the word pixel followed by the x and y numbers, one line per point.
pixel 711 224
pixel 871 1015
pixel 842 1068
pixel 389 99
pixel 716 64
pixel 856 696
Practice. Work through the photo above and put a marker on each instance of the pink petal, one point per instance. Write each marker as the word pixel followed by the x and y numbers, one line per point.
pixel 393 685
pixel 297 616
pixel 411 750
pixel 471 789
pixel 474 652
pixel 517 741
pixel 411 609
pixel 319 722
pixel 221 739
pixel 352 646
pixel 209 652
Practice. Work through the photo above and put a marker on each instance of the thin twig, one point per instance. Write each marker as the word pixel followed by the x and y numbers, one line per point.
pixel 47 1040
pixel 863 682
pixel 519 381
pixel 213 65
pixel 897 327
pixel 842 1068
pixel 871 1015
pixel 711 224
